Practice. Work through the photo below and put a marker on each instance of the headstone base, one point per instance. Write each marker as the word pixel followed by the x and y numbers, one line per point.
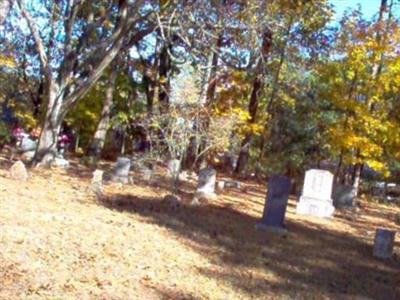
pixel 315 207
pixel 271 229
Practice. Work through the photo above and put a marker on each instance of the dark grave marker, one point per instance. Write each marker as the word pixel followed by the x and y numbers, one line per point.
pixel 275 205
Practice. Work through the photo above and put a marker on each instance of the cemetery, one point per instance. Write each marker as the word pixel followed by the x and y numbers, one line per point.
pixel 196 150
pixel 130 240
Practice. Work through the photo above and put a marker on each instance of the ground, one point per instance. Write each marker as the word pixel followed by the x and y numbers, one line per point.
pixel 58 241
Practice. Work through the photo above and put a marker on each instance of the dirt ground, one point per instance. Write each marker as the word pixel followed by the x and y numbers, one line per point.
pixel 57 241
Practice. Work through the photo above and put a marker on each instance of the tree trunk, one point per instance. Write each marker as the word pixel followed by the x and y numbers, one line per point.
pixel 258 85
pixel 100 134
pixel 47 146
pixel 253 106
pixel 149 86
pixel 164 70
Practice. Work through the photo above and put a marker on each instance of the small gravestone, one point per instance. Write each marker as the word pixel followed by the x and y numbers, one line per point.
pixel 18 171
pixel 233 184
pixel 220 185
pixel 121 170
pixel 316 196
pixel 147 174
pixel 275 206
pixel 97 181
pixel 343 196
pixel 384 242
pixel 207 180
pixel 174 167
pixel 205 186
pixel 28 144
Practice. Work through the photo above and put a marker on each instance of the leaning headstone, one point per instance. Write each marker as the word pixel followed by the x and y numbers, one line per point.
pixel 384 242
pixel 275 205
pixel 343 196
pixel 316 197
pixel 121 170
pixel 18 171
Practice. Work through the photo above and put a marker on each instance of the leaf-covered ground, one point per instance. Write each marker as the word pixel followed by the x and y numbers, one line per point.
pixel 57 241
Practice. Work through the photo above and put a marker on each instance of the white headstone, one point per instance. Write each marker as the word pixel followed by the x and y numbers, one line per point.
pixel 316 197
pixel 174 167
pixel 207 180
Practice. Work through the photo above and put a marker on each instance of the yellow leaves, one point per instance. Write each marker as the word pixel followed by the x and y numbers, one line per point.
pixel 7 61
pixel 26 118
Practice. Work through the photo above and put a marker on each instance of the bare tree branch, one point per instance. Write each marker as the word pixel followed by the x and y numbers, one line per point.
pixel 36 36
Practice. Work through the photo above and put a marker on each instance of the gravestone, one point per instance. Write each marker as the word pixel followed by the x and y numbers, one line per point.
pixel 221 185
pixel 343 196
pixel 206 186
pixel 275 205
pixel 147 174
pixel 27 144
pixel 207 180
pixel 379 189
pixel 121 170
pixel 384 242
pixel 174 167
pixel 18 171
pixel 233 184
pixel 96 184
pixel 316 196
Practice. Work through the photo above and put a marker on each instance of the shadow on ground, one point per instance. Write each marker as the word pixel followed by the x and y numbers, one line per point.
pixel 309 261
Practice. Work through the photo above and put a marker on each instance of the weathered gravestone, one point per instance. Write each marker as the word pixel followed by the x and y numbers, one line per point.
pixel 18 171
pixel 275 205
pixel 205 186
pixel 207 180
pixel 221 185
pixel 174 167
pixel 97 181
pixel 343 196
pixel 147 174
pixel 316 197
pixel 121 170
pixel 384 242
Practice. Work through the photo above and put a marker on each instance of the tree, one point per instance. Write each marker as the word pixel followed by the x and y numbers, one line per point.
pixel 4 9
pixel 92 35
pixel 360 83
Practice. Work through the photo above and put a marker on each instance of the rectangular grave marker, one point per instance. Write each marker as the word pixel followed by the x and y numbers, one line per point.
pixel 316 197
pixel 275 204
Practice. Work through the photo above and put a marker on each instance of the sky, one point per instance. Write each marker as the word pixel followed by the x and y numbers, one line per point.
pixel 369 7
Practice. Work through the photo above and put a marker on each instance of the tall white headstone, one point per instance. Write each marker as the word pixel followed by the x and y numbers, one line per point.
pixel 316 197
